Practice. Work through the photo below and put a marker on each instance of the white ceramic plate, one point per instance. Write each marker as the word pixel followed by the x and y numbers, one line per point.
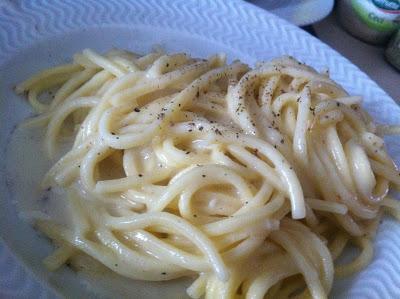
pixel 38 34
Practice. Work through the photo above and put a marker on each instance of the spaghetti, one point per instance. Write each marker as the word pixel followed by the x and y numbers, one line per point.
pixel 252 180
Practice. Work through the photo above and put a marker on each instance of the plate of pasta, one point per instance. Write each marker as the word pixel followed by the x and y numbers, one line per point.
pixel 178 149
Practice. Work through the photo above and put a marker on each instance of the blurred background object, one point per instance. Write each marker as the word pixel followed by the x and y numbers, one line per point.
pixel 373 21
pixel 298 12
pixel 393 50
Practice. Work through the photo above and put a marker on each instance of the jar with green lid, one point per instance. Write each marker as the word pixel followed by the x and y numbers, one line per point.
pixel 393 50
pixel 372 21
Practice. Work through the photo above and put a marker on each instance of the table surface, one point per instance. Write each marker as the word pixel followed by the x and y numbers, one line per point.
pixel 368 58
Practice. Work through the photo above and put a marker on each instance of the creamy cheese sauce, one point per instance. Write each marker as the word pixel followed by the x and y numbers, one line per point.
pixel 26 165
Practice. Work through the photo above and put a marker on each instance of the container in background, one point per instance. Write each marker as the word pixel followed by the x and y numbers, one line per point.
pixel 372 21
pixel 298 12
pixel 393 50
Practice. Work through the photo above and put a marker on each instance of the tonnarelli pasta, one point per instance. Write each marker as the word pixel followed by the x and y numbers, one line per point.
pixel 251 181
